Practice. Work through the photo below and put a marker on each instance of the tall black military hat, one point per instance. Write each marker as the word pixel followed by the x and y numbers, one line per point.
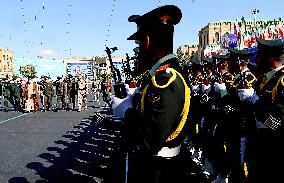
pixel 165 15
pixel 241 54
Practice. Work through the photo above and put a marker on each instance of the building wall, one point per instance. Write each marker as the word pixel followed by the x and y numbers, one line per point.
pixel 190 49
pixel 6 62
pixel 213 32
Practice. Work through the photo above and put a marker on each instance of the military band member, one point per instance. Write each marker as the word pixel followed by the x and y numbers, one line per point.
pixel 156 117
pixel 240 119
pixel 269 106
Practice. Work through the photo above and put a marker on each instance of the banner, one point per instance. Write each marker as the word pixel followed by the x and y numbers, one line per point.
pixel 83 69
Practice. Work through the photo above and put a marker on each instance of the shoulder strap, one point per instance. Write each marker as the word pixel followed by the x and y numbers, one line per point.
pixel 268 85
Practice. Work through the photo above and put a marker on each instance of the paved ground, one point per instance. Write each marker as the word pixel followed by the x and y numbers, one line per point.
pixel 64 146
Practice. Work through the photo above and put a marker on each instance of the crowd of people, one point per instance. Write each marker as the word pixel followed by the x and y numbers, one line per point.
pixel 29 95
pixel 228 112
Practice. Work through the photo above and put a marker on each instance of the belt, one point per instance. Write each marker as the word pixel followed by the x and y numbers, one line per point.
pixel 168 152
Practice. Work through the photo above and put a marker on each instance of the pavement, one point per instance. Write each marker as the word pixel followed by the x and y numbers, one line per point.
pixel 63 147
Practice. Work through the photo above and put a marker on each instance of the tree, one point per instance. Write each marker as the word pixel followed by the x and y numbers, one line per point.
pixel 28 71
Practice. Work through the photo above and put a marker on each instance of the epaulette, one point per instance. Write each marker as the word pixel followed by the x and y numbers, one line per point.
pixel 248 73
pixel 173 77
pixel 282 81
pixel 162 68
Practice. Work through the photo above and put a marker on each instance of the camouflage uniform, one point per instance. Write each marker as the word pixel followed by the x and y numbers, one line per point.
pixel 47 95
pixel 16 90
pixel 6 94
pixel 67 92
pixel 59 93
pixel 82 94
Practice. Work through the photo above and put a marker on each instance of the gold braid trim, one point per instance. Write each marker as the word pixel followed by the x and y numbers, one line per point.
pixel 246 169
pixel 235 85
pixel 251 81
pixel 274 90
pixel 184 111
pixel 166 85
pixel 143 98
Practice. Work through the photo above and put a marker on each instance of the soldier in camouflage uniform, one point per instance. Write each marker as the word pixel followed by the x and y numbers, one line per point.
pixel 16 90
pixel 67 89
pixel 6 93
pixel 59 93
pixel 47 94
pixel 82 94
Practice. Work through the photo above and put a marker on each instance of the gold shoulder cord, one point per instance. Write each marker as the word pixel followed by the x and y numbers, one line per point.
pixel 251 81
pixel 157 86
pixel 274 90
pixel 143 98
pixel 185 110
pixel 186 105
pixel 169 82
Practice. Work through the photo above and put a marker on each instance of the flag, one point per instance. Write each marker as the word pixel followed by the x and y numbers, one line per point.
pixel 236 28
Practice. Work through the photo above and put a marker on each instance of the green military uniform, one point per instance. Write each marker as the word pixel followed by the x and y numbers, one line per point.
pixel 6 94
pixel 16 90
pixel 60 98
pixel 67 89
pixel 156 125
pixel 47 95
pixel 270 114
pixel 240 120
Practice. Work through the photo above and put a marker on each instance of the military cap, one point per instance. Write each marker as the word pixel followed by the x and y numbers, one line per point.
pixel 242 54
pixel 165 15
pixel 274 46
pixel 220 58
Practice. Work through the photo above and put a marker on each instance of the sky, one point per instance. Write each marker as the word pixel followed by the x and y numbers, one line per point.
pixel 95 24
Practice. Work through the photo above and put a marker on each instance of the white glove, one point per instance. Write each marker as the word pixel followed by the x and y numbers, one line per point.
pixel 248 95
pixel 131 91
pixel 195 88
pixel 119 106
pixel 206 88
pixel 221 88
